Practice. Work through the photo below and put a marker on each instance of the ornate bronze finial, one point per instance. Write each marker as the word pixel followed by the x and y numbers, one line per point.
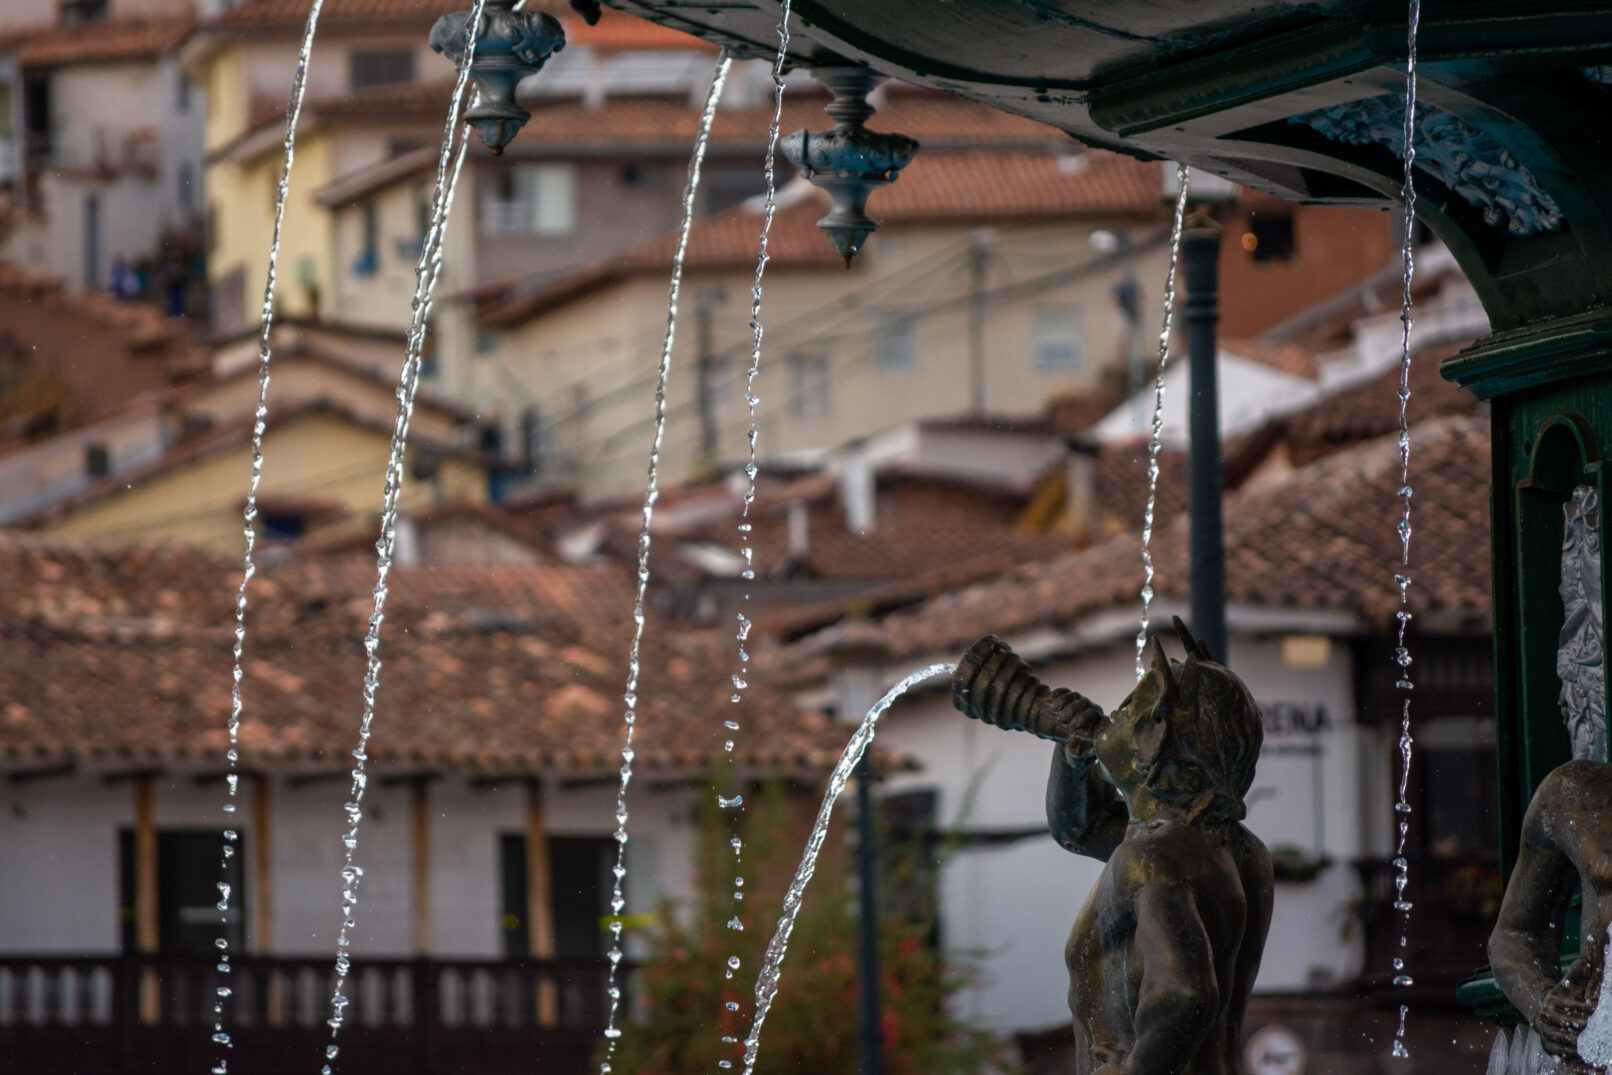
pixel 509 46
pixel 850 161
pixel 1163 956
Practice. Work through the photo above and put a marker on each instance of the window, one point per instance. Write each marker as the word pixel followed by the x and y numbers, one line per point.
pixel 579 905
pixel 1269 237
pixel 531 199
pixel 892 342
pixel 534 441
pixel 187 892
pixel 380 67
pixel 97 460
pixel 1059 344
pixel 182 96
pixel 488 340
pixel 810 397
pixel 369 238
pixel 84 10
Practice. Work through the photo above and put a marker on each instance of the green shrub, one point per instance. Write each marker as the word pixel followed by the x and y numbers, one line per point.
pixel 689 1012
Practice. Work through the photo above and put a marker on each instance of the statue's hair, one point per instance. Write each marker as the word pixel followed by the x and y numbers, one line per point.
pixel 1200 748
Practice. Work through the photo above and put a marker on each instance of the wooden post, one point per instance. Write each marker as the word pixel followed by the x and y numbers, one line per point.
pixel 420 894
pixel 262 888
pixel 539 900
pixel 146 937
pixel 262 884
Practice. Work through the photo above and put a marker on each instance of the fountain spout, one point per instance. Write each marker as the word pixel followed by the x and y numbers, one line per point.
pixel 509 46
pixel 850 161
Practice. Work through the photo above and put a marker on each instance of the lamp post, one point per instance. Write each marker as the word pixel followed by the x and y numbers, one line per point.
pixel 857 654
pixel 1200 256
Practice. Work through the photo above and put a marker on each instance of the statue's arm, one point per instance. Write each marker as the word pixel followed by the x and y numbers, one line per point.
pixel 1179 999
pixel 1523 949
pixel 1085 813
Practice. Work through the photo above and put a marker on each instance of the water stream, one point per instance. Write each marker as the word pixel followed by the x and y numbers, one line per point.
pixel 1156 440
pixel 618 899
pixel 232 782
pixel 733 805
pixel 773 961
pixel 428 270
pixel 1402 578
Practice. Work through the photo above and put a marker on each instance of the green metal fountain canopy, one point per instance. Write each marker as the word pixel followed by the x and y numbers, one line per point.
pixel 1300 100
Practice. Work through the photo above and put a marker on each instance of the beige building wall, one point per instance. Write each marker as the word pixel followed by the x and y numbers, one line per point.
pixel 319 456
pixel 588 367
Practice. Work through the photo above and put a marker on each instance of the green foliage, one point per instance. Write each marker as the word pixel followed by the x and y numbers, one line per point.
pixel 690 1011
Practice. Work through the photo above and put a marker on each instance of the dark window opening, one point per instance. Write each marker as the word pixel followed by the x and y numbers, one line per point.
pixel 380 68
pixel 97 460
pixel 1269 237
pixel 369 240
pixel 188 919
pixel 534 441
pixel 579 901
pixel 36 116
pixel 74 11
pixel 284 525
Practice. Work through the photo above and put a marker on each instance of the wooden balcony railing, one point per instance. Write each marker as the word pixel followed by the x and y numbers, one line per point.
pixel 114 1014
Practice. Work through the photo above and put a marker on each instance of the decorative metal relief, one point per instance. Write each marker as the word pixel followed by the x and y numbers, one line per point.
pixel 510 45
pixel 849 162
pixel 1468 161
pixel 1581 649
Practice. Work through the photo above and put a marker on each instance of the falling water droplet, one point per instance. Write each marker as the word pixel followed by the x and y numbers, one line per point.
pixel 734 923
pixel 727 804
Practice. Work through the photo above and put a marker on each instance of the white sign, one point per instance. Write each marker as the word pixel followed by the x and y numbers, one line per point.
pixel 1275 1050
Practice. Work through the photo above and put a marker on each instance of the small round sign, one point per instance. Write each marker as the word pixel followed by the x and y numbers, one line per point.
pixel 1275 1050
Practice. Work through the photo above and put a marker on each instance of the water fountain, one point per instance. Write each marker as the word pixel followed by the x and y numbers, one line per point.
pixel 1279 99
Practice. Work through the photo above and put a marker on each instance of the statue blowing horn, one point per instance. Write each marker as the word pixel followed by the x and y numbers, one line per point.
pixel 994 685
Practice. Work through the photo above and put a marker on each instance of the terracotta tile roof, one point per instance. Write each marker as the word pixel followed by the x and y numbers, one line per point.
pixel 1368 410
pixel 1289 358
pixel 1337 421
pixel 1322 539
pixel 618 32
pixel 103 41
pixel 121 657
pixel 262 14
pixel 938 120
pixel 979 187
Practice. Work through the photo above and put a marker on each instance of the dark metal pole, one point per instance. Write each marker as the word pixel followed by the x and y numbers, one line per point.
pixel 1200 256
pixel 872 1041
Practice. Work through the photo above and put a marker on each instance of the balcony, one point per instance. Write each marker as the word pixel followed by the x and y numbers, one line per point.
pixel 406 1017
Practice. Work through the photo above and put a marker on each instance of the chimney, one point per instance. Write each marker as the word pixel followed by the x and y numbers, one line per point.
pixel 798 522
pixel 1080 512
pixel 856 492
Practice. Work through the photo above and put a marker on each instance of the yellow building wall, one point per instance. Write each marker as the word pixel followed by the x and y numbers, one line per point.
pixel 226 97
pixel 241 201
pixel 318 456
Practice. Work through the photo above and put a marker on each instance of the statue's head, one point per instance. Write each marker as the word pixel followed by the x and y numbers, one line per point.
pixel 1189 734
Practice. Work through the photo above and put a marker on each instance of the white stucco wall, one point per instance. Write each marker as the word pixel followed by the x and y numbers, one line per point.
pixel 59 858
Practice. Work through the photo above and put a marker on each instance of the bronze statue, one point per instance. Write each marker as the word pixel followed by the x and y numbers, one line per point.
pixel 1163 955
pixel 1567 831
